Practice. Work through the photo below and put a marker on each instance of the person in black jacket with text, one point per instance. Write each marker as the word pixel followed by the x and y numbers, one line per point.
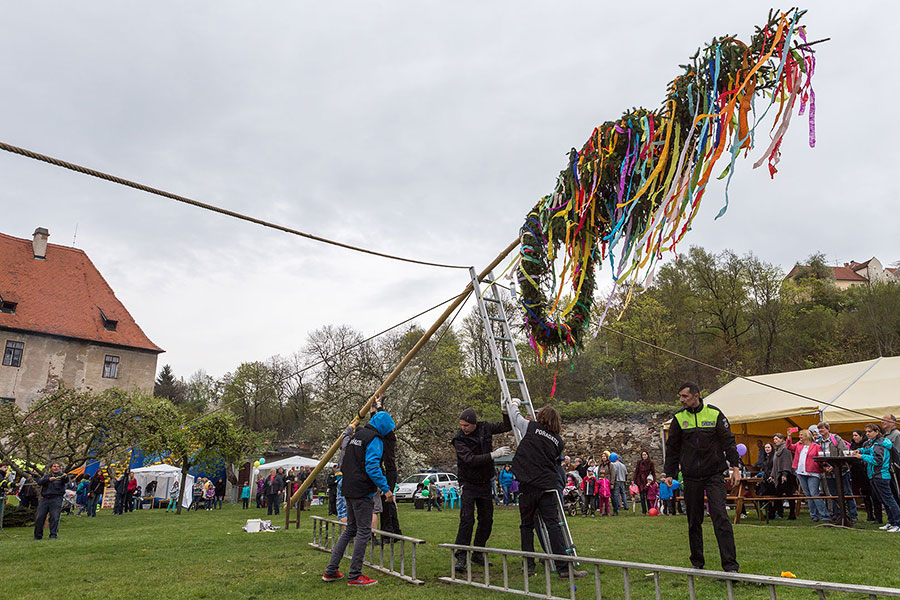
pixel 475 469
pixel 535 466
pixel 53 486
pixel 700 441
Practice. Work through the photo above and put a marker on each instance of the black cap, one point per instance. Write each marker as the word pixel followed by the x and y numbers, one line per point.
pixel 468 416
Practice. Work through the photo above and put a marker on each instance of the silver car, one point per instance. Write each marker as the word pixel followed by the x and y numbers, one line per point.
pixel 407 488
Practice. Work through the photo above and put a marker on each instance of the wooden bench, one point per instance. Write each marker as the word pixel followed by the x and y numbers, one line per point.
pixel 740 501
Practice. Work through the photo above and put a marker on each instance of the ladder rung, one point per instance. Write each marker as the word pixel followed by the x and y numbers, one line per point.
pixel 515 381
pixel 491 300
pixel 502 339
pixel 508 359
pixel 496 319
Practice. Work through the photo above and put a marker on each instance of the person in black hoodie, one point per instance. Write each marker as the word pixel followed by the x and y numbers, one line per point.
pixel 535 467
pixel 53 486
pixel 390 521
pixel 475 468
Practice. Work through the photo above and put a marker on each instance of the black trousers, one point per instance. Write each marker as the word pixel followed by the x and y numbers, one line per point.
pixel 714 487
pixel 47 506
pixel 332 501
pixel 475 498
pixel 389 520
pixel 531 502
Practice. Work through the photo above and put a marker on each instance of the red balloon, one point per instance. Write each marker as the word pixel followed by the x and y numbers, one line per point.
pixel 653 512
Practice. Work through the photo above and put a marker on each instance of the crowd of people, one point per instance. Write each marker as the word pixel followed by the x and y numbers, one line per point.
pixel 784 466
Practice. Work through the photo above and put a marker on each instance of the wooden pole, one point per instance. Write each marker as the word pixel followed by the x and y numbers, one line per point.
pixel 395 373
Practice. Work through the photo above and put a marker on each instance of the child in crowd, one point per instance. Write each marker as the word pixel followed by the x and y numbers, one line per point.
pixel 589 488
pixel 173 497
pixel 652 493
pixel 667 495
pixel 604 489
pixel 245 495
pixel 635 493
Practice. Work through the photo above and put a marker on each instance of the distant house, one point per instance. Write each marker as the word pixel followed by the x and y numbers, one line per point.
pixel 60 322
pixel 855 273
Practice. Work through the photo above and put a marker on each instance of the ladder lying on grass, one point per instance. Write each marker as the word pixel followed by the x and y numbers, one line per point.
pixel 509 371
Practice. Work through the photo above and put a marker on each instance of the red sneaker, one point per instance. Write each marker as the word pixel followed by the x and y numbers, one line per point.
pixel 337 575
pixel 362 581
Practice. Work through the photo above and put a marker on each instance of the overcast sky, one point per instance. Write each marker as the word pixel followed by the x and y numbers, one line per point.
pixel 425 129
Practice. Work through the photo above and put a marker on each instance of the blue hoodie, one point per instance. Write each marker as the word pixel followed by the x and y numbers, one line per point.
pixel 383 424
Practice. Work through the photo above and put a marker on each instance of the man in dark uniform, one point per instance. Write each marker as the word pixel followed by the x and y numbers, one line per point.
pixel 53 486
pixel 700 441
pixel 535 466
pixel 362 479
pixel 475 468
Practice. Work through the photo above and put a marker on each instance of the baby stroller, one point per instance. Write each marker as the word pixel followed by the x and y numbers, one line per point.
pixel 572 502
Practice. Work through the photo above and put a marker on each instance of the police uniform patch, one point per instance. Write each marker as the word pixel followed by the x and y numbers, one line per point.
pixel 684 423
pixel 707 423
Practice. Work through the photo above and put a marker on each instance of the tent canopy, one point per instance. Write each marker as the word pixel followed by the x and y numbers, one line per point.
pixel 847 396
pixel 165 477
pixel 293 461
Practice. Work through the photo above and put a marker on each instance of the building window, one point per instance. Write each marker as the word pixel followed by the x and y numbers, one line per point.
pixel 8 307
pixel 12 357
pixel 111 367
pixel 108 324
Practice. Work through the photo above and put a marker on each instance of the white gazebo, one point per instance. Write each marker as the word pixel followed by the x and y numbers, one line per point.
pixel 165 477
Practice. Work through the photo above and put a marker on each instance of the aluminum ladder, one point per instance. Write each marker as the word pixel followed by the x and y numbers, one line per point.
pixel 509 371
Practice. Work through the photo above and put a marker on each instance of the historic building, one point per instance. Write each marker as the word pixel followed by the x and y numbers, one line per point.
pixel 60 322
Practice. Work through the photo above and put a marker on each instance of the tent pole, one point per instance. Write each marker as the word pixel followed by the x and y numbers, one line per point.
pixel 394 374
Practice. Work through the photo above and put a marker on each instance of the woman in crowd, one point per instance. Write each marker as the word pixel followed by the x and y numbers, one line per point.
pixel 808 472
pixel 859 479
pixel 95 492
pixel 781 478
pixel 878 461
pixel 642 469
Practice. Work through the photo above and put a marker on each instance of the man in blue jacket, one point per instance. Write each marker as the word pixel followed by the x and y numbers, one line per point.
pixel 362 479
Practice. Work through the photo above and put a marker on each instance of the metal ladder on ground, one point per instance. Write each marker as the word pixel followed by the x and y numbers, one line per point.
pixel 509 372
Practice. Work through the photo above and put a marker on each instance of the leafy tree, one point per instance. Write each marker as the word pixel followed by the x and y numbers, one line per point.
pixel 190 441
pixel 72 427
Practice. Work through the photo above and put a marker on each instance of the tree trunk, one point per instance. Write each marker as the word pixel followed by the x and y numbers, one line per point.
pixel 185 467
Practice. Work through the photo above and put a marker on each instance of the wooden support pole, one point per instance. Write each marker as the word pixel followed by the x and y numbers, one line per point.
pixel 394 374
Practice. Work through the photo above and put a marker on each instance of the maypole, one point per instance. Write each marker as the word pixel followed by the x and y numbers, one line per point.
pixel 394 374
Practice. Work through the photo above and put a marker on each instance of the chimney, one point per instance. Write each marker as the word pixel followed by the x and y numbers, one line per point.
pixel 39 243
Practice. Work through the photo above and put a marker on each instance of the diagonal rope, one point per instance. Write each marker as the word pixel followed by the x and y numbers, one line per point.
pixel 223 211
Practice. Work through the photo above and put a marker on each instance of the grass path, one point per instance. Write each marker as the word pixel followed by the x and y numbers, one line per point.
pixel 150 554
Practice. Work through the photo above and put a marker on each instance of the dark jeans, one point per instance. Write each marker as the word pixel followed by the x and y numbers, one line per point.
pixel 714 486
pixel 881 487
pixel 474 497
pixel 218 503
pixel 359 529
pixel 332 501
pixel 644 503
pixel 245 502
pixel 47 506
pixel 93 501
pixel 834 504
pixel 272 500
pixel 531 502
pixel 259 503
pixel 119 505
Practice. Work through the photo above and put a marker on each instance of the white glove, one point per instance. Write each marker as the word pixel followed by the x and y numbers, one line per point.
pixel 501 451
pixel 514 404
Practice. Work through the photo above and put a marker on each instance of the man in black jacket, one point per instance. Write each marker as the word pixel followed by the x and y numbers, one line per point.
pixel 332 482
pixel 274 489
pixel 700 441
pixel 475 468
pixel 53 486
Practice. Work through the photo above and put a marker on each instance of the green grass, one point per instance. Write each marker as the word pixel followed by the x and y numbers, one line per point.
pixel 150 554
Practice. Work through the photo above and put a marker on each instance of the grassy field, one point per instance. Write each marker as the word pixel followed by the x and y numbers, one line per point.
pixel 151 554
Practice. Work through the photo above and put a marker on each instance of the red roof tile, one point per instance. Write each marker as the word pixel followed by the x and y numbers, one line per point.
pixel 63 295
pixel 846 274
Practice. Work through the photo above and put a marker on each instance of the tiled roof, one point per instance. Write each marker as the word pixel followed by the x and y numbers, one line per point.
pixel 63 295
pixel 846 274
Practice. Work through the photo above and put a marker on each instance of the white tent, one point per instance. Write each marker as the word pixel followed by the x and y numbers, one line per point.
pixel 286 463
pixel 165 477
pixel 847 396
